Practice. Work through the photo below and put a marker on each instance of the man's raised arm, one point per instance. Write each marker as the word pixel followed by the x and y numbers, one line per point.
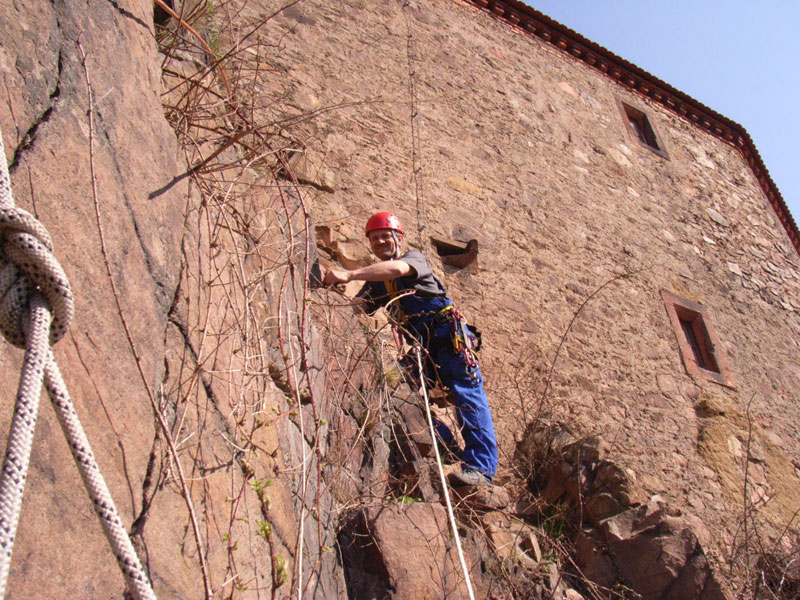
pixel 382 271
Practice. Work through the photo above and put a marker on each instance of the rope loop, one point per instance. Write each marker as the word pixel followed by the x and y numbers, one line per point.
pixel 27 263
pixel 36 304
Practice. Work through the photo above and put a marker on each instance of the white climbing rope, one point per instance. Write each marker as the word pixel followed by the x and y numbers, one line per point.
pixel 33 290
pixel 418 352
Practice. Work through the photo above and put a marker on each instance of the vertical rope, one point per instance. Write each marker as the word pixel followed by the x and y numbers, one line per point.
pixel 6 199
pixel 20 438
pixel 23 422
pixel 416 150
pixel 36 320
pixel 103 503
pixel 445 489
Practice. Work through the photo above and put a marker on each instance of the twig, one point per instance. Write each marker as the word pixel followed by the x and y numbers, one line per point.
pixel 203 43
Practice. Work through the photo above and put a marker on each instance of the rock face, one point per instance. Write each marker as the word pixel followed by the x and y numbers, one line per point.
pixel 624 539
pixel 46 133
pixel 403 552
pixel 288 416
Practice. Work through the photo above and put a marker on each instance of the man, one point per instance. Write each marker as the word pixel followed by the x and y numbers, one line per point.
pixel 417 300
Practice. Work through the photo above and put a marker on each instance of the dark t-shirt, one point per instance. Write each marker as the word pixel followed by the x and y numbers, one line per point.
pixel 425 284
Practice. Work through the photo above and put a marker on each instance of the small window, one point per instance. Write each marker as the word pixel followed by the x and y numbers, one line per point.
pixel 640 128
pixel 700 349
pixel 694 329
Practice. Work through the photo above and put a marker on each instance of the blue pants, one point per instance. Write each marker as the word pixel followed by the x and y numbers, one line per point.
pixel 472 407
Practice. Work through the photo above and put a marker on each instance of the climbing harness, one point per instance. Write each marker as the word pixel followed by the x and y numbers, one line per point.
pixel 445 489
pixel 33 290
pixel 465 338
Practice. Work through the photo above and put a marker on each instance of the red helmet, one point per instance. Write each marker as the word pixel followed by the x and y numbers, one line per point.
pixel 384 220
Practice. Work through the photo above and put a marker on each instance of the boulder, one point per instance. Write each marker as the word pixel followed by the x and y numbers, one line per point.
pixel 481 499
pixel 403 551
pixel 651 550
pixel 644 545
pixel 511 539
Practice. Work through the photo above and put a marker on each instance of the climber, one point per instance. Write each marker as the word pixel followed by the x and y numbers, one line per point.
pixel 418 301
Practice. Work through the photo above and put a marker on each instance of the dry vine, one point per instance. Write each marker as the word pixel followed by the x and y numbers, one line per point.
pixel 248 244
pixel 242 308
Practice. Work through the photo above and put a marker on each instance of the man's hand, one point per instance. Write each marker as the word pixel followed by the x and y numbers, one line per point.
pixel 336 278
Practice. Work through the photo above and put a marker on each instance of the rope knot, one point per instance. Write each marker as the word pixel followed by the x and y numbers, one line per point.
pixel 27 265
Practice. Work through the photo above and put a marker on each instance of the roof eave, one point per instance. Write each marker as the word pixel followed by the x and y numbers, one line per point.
pixel 641 82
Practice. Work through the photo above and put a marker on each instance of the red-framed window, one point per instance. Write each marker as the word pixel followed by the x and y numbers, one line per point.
pixel 700 349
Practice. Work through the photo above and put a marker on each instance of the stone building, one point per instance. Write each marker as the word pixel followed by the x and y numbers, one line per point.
pixel 622 227
pixel 635 276
pixel 596 192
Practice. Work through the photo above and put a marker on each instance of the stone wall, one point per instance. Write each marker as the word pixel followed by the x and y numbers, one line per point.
pixel 526 150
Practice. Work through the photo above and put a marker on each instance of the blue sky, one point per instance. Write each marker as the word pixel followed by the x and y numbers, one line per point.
pixel 739 58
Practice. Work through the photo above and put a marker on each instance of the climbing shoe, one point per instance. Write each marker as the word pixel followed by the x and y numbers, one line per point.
pixel 469 477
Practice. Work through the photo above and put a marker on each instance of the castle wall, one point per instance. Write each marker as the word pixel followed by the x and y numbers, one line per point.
pixel 526 149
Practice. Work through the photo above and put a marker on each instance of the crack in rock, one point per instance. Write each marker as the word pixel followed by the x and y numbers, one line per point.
pixel 29 138
pixel 161 287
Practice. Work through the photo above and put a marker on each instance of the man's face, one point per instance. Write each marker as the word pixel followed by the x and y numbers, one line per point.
pixel 381 241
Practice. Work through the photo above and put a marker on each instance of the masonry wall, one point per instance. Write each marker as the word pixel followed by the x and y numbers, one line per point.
pixel 525 149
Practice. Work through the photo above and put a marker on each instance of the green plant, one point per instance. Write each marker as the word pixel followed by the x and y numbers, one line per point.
pixel 554 520
pixel 259 487
pixel 280 571
pixel 394 377
pixel 407 500
pixel 264 529
pixel 366 420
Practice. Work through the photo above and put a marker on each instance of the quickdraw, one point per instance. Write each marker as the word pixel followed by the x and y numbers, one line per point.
pixel 464 342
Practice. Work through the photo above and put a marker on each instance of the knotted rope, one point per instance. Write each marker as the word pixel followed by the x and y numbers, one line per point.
pixel 36 307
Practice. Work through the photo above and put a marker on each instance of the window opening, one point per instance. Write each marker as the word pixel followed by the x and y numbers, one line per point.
pixel 640 128
pixel 456 254
pixel 697 336
pixel 700 349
